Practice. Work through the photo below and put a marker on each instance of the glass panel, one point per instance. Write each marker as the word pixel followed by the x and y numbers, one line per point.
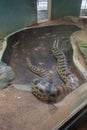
pixel 83 11
pixel 42 10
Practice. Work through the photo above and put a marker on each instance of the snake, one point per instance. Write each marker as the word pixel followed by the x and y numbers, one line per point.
pixel 43 87
pixel 71 81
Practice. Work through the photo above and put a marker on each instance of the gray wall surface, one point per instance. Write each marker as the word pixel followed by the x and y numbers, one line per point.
pixel 61 8
pixel 16 14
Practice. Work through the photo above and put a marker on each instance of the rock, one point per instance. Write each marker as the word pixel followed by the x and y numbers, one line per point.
pixel 7 75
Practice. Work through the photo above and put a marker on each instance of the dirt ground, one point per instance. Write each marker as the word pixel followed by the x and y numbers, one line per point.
pixel 20 110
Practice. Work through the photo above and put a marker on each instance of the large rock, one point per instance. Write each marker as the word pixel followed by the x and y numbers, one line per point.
pixel 6 75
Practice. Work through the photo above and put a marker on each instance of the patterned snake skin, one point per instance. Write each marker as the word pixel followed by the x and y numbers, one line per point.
pixel 43 87
pixel 65 73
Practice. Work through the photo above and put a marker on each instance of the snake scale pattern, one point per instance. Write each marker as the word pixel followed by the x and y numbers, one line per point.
pixel 43 87
pixel 64 72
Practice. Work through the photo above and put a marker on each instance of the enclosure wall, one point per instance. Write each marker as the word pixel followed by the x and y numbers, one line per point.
pixel 61 8
pixel 16 14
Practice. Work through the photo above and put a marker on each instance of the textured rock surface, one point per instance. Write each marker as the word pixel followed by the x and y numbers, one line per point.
pixel 6 75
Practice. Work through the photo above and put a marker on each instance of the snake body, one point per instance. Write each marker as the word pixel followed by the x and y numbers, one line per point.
pixel 65 73
pixel 43 87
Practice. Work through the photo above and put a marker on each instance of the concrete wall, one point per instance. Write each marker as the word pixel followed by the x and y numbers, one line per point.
pixel 61 8
pixel 16 14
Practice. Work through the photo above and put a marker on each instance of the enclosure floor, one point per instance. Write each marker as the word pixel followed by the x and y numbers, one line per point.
pixel 36 44
pixel 20 110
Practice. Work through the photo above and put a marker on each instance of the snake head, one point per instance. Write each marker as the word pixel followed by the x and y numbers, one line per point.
pixel 44 90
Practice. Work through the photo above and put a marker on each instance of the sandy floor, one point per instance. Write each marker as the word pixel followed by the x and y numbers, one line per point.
pixel 20 110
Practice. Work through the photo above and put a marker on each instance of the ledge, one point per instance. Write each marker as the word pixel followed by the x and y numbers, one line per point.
pixel 79 35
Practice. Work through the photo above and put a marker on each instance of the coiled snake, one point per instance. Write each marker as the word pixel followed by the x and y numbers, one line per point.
pixel 65 73
pixel 43 87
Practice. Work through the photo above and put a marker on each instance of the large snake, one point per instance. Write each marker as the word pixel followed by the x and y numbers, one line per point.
pixel 43 87
pixel 63 69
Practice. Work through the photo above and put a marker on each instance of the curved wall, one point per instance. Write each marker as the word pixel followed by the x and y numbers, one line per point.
pixel 16 14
